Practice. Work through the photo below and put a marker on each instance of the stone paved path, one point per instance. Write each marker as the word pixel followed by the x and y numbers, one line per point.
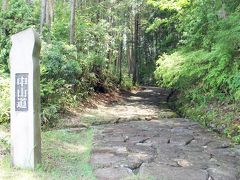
pixel 161 148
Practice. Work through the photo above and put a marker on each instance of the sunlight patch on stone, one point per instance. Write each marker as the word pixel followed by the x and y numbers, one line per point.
pixel 135 98
pixel 148 90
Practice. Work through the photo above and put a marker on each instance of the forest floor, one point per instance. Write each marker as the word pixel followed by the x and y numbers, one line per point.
pixel 132 135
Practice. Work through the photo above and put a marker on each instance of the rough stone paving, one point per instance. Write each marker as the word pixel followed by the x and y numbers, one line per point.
pixel 163 148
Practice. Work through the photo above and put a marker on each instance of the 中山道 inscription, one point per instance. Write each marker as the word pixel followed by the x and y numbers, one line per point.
pixel 25 100
pixel 21 92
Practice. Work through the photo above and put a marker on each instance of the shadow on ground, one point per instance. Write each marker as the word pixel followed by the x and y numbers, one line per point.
pixel 146 104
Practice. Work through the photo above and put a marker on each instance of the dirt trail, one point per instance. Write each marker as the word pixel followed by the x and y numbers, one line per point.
pixel 160 146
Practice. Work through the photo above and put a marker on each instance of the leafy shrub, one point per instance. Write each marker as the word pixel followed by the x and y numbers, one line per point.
pixel 169 69
pixel 127 83
pixel 61 73
pixel 17 18
pixel 205 69
pixel 4 98
pixel 67 77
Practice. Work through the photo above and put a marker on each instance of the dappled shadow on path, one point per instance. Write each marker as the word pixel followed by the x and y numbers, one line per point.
pixel 148 103
pixel 148 96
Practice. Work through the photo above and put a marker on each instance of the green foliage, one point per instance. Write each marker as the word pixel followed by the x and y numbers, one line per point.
pixel 61 72
pixel 176 5
pixel 60 26
pixel 215 71
pixel 60 62
pixel 69 73
pixel 127 83
pixel 67 77
pixel 18 17
pixel 4 98
pixel 205 68
pixel 169 69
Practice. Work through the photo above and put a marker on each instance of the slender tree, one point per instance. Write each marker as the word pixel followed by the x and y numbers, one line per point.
pixel 43 14
pixel 222 12
pixel 136 49
pixel 4 8
pixel 29 2
pixel 72 21
pixel 4 5
pixel 49 13
pixel 120 61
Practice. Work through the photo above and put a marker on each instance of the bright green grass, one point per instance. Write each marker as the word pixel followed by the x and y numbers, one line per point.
pixel 65 155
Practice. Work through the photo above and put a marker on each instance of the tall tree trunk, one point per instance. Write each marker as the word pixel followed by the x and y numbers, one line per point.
pixel 4 5
pixel 129 58
pixel 43 15
pixel 49 13
pixel 132 50
pixel 98 14
pixel 130 41
pixel 79 4
pixel 52 4
pixel 48 18
pixel 120 61
pixel 72 22
pixel 4 8
pixel 222 14
pixel 136 49
pixel 29 2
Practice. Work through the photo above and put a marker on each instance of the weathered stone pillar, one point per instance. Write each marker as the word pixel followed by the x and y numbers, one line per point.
pixel 25 99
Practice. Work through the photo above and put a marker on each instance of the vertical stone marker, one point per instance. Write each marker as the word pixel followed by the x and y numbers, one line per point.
pixel 25 99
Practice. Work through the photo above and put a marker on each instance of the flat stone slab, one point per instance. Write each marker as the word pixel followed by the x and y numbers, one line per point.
pixel 113 173
pixel 181 140
pixel 161 172
pixel 103 160
pixel 222 174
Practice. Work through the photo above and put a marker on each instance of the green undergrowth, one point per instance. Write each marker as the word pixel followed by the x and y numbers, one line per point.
pixel 4 98
pixel 65 155
pixel 220 116
pixel 205 65
pixel 208 88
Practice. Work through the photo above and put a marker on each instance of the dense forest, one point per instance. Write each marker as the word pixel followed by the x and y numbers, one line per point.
pixel 189 46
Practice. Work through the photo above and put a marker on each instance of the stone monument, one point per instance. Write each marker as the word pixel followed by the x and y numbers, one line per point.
pixel 25 99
